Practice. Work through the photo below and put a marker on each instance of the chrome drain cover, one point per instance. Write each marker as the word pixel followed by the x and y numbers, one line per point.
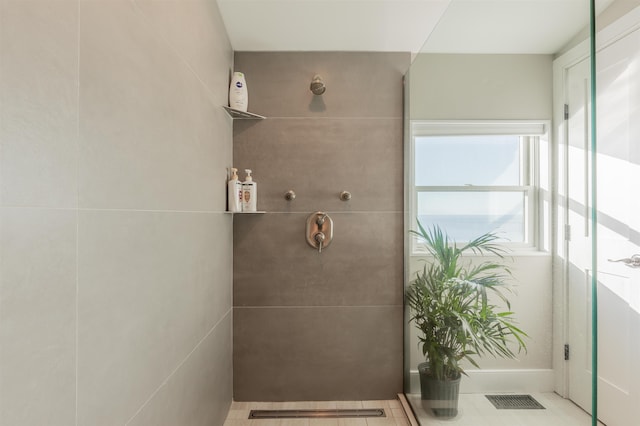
pixel 316 414
pixel 514 402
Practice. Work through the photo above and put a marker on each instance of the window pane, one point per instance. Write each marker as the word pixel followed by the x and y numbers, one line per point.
pixel 467 215
pixel 467 160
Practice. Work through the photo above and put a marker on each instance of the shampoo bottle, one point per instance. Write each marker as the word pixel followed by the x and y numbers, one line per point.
pixel 234 192
pixel 238 95
pixel 249 194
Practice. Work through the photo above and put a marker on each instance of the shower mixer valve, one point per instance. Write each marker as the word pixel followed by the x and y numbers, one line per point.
pixel 319 237
pixel 320 220
pixel 319 231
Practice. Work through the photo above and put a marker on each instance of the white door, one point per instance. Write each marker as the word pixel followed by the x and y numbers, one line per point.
pixel 618 160
pixel 579 244
pixel 618 198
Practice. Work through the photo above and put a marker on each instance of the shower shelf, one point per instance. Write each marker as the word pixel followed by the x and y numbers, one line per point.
pixel 258 212
pixel 234 113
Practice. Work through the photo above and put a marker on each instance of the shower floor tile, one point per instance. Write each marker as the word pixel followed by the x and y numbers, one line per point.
pixel 476 410
pixel 395 416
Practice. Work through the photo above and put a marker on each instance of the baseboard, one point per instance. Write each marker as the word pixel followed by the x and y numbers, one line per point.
pixel 497 381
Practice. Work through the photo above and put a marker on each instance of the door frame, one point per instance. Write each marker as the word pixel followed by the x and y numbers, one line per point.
pixel 608 35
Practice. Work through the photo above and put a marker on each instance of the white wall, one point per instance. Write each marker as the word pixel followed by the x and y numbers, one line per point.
pixel 115 285
pixel 615 10
pixel 532 304
pixel 494 87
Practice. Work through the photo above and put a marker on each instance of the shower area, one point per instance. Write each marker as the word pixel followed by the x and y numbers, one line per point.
pixel 524 126
pixel 320 322
pixel 129 295
pixel 326 322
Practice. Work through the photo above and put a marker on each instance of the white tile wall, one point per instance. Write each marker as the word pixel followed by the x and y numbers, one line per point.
pixel 208 60
pixel 156 283
pixel 39 107
pixel 132 152
pixel 197 390
pixel 37 316
pixel 115 251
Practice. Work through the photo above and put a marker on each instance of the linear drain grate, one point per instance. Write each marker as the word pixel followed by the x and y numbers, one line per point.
pixel 315 414
pixel 514 402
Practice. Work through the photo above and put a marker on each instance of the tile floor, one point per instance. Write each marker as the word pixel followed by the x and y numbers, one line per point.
pixel 476 410
pixel 239 413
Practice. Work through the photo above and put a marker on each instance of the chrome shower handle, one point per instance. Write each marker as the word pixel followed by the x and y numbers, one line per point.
pixel 319 230
pixel 631 262
pixel 319 237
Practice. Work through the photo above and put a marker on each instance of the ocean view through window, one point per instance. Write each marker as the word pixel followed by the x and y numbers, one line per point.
pixel 475 177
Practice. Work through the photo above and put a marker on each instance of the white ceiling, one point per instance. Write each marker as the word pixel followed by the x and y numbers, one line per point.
pixel 330 25
pixel 470 26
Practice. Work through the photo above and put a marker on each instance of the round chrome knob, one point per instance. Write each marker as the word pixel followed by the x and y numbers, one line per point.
pixel 290 195
pixel 345 195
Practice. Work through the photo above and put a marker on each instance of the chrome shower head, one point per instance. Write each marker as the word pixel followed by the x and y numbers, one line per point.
pixel 317 85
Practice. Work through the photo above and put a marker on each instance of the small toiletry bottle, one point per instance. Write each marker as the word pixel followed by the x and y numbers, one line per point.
pixel 234 192
pixel 249 194
pixel 238 95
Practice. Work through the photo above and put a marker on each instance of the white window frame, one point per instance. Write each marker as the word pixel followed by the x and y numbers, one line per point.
pixel 530 129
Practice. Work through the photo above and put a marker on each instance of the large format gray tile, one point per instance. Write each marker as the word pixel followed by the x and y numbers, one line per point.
pixel 151 285
pixel 37 317
pixel 359 84
pixel 150 136
pixel 39 96
pixel 320 158
pixel 205 46
pixel 274 265
pixel 317 353
pixel 199 393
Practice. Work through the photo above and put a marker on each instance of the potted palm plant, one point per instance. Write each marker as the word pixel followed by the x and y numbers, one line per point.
pixel 457 320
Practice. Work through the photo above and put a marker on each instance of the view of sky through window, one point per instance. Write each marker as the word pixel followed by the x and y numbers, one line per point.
pixel 452 163
pixel 467 160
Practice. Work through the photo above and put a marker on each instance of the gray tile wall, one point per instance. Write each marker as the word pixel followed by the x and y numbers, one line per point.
pixel 310 326
pixel 115 251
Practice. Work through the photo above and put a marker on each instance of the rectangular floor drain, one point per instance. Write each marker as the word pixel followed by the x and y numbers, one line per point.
pixel 315 414
pixel 514 402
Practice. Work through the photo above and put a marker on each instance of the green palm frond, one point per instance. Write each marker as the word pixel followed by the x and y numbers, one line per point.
pixel 450 303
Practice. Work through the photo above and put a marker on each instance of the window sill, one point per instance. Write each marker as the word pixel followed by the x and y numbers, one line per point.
pixel 515 252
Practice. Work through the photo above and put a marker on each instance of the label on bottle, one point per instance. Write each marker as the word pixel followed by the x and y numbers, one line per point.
pixel 235 196
pixel 238 95
pixel 249 197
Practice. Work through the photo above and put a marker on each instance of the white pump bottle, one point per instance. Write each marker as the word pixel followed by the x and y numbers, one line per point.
pixel 234 195
pixel 249 194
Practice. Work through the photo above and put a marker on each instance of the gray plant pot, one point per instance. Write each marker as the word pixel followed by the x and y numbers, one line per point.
pixel 439 396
